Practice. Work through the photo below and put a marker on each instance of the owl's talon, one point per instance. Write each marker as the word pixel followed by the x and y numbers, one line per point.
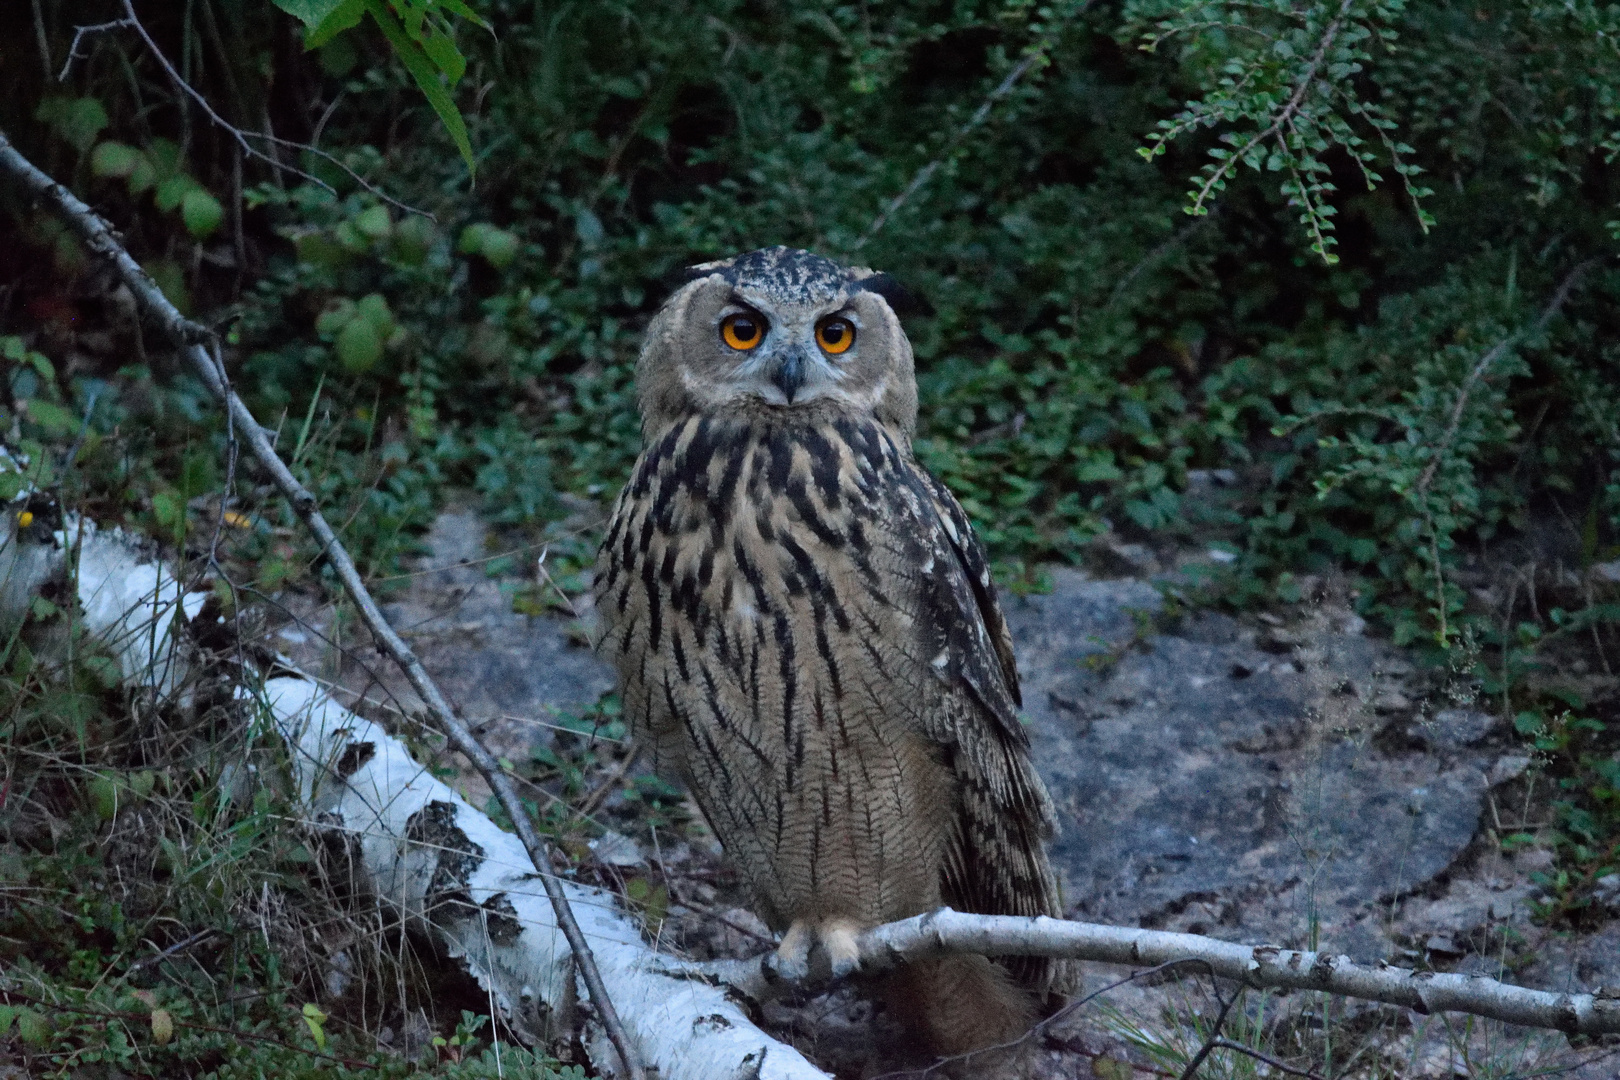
pixel 791 961
pixel 838 938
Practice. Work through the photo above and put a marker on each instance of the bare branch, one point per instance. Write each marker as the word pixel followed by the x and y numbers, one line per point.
pixel 79 33
pixel 945 932
pixel 1227 1044
pixel 193 339
pixel 1214 1035
pixel 1036 55
pixel 39 39
pixel 1559 295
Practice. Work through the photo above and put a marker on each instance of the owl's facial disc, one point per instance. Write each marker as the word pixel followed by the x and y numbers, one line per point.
pixel 798 356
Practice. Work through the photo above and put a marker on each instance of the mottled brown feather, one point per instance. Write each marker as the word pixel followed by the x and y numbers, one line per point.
pixel 808 636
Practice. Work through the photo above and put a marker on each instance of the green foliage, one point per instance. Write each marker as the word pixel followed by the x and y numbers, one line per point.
pixel 1577 753
pixel 1283 75
pixel 422 35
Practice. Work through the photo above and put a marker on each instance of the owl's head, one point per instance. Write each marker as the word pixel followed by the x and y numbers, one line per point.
pixel 778 329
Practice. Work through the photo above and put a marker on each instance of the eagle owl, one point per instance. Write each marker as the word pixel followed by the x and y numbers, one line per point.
pixel 807 634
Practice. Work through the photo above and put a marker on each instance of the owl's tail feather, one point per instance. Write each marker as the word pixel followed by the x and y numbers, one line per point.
pixel 961 1003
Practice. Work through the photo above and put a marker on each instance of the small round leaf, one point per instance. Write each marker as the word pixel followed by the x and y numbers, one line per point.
pixel 374 222
pixel 499 247
pixel 114 159
pixel 358 346
pixel 201 212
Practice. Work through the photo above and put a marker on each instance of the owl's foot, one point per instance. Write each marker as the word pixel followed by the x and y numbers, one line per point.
pixel 837 939
pixel 792 958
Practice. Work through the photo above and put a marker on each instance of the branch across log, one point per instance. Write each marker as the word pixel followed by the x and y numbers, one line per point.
pixel 944 932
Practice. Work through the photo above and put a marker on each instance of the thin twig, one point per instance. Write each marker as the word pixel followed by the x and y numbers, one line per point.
pixel 241 136
pixel 1036 55
pixel 1559 295
pixel 98 236
pixel 43 42
pixel 1214 1035
pixel 79 33
pixel 173 950
pixel 1227 1044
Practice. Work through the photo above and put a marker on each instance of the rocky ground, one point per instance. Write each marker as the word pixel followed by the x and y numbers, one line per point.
pixel 1286 779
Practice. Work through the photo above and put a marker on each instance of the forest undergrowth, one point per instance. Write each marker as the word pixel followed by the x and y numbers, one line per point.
pixel 1350 263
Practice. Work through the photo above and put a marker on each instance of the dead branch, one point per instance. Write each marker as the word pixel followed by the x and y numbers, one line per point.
pixel 192 340
pixel 1035 57
pixel 945 932
pixel 1560 294
pixel 240 136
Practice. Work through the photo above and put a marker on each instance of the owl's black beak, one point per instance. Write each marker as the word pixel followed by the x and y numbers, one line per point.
pixel 789 374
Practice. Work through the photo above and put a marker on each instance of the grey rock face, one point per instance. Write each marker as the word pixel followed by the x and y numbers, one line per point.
pixel 491 661
pixel 1208 784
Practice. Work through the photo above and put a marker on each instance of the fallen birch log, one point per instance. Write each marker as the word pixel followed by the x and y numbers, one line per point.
pixel 193 341
pixel 412 841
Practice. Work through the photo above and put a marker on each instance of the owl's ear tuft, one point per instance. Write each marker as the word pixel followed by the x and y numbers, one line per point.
pixel 688 274
pixel 904 301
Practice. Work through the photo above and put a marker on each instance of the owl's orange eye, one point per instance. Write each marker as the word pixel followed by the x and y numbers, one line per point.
pixel 835 335
pixel 742 331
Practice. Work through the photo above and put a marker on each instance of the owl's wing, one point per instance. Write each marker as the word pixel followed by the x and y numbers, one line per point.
pixel 997 862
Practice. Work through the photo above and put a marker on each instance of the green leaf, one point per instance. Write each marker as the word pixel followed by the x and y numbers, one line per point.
pixel 54 419
pixel 373 307
pixel 337 314
pixel 169 510
pixel 114 159
pixel 172 191
pixel 471 241
pixel 499 247
pixel 441 49
pixel 317 1024
pixel 374 222
pixel 141 176
pixel 308 12
pixel 426 75
pixel 104 796
pixel 359 346
pixel 343 15
pixel 77 120
pixel 201 212
pixel 34 1028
